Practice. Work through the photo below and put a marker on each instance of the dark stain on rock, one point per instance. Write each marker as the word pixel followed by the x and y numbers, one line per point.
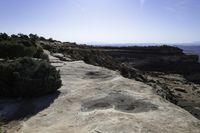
pixel 96 104
pixel 136 106
pixel 97 75
pixel 120 102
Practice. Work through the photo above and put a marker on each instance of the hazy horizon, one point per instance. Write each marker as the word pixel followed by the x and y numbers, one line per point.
pixel 104 21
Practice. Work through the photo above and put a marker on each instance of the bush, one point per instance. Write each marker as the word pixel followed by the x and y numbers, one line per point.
pixel 39 52
pixel 4 36
pixel 13 49
pixel 1 127
pixel 1 130
pixel 33 37
pixel 44 56
pixel 27 77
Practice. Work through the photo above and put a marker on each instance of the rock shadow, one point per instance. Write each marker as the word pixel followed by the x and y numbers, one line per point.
pixel 120 102
pixel 21 108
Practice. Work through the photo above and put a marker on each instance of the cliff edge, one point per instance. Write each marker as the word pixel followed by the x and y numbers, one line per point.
pixel 97 100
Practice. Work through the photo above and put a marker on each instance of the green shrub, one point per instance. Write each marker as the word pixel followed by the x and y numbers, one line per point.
pixel 9 50
pixel 44 56
pixel 1 130
pixel 27 77
pixel 4 36
pixel 39 52
pixel 20 45
pixel 33 37
pixel 1 126
pixel 14 49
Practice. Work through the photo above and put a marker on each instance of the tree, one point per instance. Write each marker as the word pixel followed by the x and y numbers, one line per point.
pixel 42 38
pixel 50 39
pixel 22 36
pixel 33 37
pixel 4 36
pixel 14 36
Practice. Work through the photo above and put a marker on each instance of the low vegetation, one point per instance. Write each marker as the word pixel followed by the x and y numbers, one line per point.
pixel 24 68
pixel 19 46
pixel 1 127
pixel 28 77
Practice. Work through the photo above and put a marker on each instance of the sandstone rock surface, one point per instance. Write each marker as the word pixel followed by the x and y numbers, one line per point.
pixel 97 100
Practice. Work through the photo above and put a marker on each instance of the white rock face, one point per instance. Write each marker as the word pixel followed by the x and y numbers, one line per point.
pixel 98 100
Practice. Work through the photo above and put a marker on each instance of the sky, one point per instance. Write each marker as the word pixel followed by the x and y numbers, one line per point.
pixel 104 21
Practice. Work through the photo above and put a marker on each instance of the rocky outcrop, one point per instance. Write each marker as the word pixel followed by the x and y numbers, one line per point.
pixel 165 59
pixel 97 100
pixel 158 59
pixel 177 90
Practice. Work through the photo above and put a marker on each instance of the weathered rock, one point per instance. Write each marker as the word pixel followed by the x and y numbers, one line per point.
pixel 61 57
pixel 164 58
pixel 176 89
pixel 98 100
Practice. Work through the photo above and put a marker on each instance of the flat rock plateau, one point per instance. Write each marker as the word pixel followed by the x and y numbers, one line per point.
pixel 98 100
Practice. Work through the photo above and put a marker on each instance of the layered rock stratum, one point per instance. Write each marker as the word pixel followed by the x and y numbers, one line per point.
pixel 98 100
pixel 172 74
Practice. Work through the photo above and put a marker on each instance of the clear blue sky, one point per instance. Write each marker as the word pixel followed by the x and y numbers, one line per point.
pixel 111 21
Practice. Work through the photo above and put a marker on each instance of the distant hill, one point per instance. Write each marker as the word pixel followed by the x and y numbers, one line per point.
pixel 191 49
pixel 125 44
